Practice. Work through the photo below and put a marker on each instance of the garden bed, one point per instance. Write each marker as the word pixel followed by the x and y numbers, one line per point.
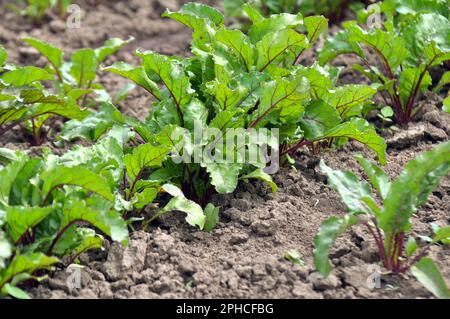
pixel 243 256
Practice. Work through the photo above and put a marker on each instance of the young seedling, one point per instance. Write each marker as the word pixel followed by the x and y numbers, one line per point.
pixel 45 205
pixel 25 99
pixel 37 9
pixel 406 50
pixel 391 222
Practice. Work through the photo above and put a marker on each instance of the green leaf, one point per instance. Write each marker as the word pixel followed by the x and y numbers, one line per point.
pixel 411 246
pixel 282 94
pixel 426 32
pixel 226 97
pixel 8 175
pixel 334 46
pixel 276 22
pixel 252 13
pixel 25 75
pixel 5 249
pixel 319 117
pixel 435 55
pixel 84 66
pixel 361 131
pixel 224 176
pixel 22 219
pixel 315 26
pixel 143 156
pixel 348 100
pixel 379 179
pixel 442 234
pixel 273 46
pixel 75 176
pixel 412 188
pixel 202 19
pixel 211 217
pixel 110 47
pixel 195 216
pixel 145 197
pixel 408 80
pixel 3 56
pixel 15 292
pixel 391 47
pixel 137 75
pixel 238 43
pixel 54 55
pixel 351 190
pixel 108 221
pixel 427 273
pixel 89 243
pixel 446 105
pixel 201 11
pixel 324 239
pixel 294 257
pixel 26 263
pixel 445 79
pixel 171 74
pixel 261 175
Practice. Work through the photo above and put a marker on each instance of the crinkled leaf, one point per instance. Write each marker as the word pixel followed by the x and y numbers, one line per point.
pixel 348 100
pixel 276 22
pixel 424 29
pixel 392 48
pixel 238 43
pixel 108 221
pixel 273 46
pixel 319 117
pixel 171 74
pixel 75 176
pixel 281 94
pixel 22 219
pixel 143 156
pixel 361 131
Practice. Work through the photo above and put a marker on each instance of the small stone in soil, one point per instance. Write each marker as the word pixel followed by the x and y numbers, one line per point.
pixel 238 238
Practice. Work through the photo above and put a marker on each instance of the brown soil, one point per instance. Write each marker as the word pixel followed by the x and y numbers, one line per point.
pixel 242 257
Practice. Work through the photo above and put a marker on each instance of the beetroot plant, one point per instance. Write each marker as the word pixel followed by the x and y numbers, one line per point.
pixel 32 96
pixel 236 81
pixel 389 223
pixel 405 50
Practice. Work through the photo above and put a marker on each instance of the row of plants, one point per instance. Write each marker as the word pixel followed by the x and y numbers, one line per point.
pixel 52 208
pixel 37 9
